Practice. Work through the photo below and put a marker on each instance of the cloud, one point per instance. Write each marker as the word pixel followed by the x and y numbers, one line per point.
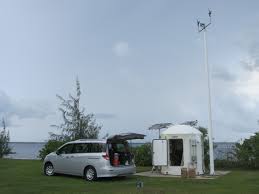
pixel 22 110
pixel 224 75
pixel 105 116
pixel 121 49
pixel 249 86
pixel 234 115
pixel 251 62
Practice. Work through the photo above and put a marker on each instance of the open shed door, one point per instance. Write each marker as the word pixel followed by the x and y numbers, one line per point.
pixel 159 152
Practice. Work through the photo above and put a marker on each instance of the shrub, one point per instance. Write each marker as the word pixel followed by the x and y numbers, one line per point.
pixel 143 155
pixel 4 140
pixel 227 164
pixel 50 146
pixel 247 153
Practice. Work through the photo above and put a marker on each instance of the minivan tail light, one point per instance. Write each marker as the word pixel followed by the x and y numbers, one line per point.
pixel 106 157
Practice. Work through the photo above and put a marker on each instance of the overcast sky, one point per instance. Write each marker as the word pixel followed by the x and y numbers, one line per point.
pixel 139 63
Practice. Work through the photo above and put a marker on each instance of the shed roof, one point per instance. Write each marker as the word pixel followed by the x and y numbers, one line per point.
pixel 181 129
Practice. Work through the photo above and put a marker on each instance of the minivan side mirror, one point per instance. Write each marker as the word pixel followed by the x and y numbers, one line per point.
pixel 57 152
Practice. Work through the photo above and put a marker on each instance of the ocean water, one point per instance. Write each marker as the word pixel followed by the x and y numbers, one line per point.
pixel 25 150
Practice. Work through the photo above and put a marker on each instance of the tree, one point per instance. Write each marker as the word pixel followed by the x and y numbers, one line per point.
pixel 4 141
pixel 49 147
pixel 247 152
pixel 76 124
pixel 143 154
pixel 205 141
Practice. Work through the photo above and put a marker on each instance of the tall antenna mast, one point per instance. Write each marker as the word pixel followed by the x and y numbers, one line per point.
pixel 202 28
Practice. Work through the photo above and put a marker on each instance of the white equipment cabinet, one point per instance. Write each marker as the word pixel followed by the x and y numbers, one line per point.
pixel 180 147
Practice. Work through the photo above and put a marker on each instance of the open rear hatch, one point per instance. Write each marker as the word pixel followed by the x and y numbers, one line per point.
pixel 118 148
pixel 126 136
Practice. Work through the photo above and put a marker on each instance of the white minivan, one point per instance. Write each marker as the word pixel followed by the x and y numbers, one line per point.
pixel 93 158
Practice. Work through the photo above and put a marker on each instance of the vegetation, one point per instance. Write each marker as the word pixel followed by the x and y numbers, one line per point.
pixel 4 140
pixel 49 147
pixel 227 164
pixel 205 139
pixel 143 155
pixel 247 152
pixel 26 176
pixel 76 124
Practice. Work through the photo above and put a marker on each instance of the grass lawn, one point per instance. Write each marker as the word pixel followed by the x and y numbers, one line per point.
pixel 25 176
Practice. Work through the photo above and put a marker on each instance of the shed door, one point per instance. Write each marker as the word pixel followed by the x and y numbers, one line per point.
pixel 159 152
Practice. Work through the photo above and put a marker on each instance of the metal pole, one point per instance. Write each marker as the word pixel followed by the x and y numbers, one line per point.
pixel 209 105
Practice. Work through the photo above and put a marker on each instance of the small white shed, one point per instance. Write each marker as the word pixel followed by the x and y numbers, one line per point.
pixel 180 146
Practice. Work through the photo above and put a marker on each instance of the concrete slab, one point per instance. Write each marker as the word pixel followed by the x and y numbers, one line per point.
pixel 157 174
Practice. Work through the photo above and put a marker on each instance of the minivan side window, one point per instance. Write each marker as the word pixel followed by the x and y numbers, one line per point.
pixel 80 148
pixel 97 147
pixel 67 149
pixel 89 148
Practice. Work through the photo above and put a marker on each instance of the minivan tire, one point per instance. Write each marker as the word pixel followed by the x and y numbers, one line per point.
pixel 49 169
pixel 90 174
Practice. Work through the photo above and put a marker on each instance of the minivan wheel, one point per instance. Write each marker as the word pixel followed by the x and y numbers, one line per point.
pixel 49 169
pixel 90 174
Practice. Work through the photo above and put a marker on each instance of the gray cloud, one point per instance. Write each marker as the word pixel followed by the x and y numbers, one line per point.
pixel 224 75
pixel 252 63
pixel 233 115
pixel 22 110
pixel 121 49
pixel 105 116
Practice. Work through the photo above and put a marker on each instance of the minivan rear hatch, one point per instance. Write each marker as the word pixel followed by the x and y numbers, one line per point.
pixel 118 149
pixel 126 136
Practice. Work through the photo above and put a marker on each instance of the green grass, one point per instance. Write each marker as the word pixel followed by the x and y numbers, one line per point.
pixel 25 176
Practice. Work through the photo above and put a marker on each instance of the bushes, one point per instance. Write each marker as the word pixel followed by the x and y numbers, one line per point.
pixel 247 152
pixel 4 140
pixel 50 146
pixel 143 155
pixel 231 164
pixel 227 164
pixel 246 155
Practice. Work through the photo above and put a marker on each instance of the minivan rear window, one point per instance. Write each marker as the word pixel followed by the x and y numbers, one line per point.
pixel 89 148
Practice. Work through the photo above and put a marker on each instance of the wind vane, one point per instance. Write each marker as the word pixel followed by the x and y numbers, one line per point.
pixel 203 26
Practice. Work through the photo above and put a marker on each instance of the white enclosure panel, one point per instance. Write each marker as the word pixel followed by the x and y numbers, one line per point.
pixel 159 152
